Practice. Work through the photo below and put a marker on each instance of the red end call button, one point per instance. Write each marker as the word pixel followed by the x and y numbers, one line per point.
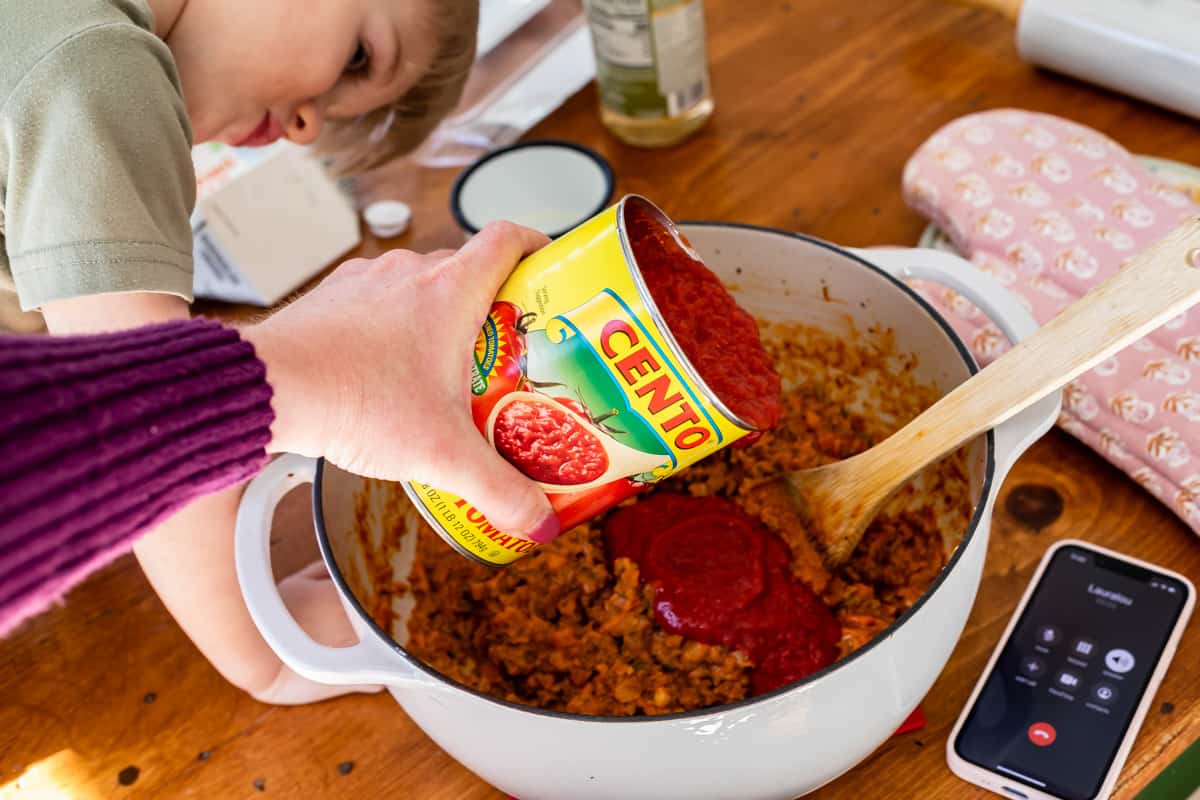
pixel 1042 733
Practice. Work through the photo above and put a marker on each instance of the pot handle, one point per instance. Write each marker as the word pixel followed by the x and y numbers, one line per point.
pixel 369 661
pixel 989 295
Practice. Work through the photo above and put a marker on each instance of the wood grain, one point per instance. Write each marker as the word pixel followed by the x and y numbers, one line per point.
pixel 1009 8
pixel 819 104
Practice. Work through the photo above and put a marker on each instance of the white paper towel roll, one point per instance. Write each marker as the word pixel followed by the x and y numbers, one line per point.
pixel 1145 48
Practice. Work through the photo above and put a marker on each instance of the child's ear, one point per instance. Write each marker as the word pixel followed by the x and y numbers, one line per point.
pixel 305 124
pixel 355 146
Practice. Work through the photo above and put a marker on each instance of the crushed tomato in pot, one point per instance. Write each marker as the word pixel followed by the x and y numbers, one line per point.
pixel 720 577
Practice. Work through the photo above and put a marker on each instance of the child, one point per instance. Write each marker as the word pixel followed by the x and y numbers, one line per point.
pixel 100 101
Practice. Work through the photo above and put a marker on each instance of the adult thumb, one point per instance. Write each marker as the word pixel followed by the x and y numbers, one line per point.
pixel 513 503
pixel 490 255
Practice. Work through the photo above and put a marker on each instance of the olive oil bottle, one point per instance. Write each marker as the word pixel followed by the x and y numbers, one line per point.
pixel 651 68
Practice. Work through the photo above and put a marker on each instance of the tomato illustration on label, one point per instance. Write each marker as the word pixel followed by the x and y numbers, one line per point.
pixel 547 443
pixel 579 408
pixel 574 405
pixel 499 366
pixel 559 443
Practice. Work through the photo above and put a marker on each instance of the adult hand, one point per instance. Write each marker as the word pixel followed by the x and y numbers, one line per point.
pixel 371 369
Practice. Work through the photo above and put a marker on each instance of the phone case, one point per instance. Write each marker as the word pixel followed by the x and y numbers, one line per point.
pixel 1008 787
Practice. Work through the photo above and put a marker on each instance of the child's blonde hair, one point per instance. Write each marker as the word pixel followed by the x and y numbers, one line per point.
pixel 371 140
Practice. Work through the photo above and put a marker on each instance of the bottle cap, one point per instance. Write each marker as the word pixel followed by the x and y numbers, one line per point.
pixel 387 218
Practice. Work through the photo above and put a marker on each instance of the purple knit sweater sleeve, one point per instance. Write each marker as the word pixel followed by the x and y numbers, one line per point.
pixel 103 436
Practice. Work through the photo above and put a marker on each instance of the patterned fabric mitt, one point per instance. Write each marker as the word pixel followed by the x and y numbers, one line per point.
pixel 1051 208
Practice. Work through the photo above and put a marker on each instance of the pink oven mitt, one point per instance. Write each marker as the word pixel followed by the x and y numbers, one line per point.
pixel 1051 208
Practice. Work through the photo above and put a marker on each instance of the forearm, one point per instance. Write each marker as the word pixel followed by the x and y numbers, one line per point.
pixel 189 559
pixel 102 437
pixel 112 312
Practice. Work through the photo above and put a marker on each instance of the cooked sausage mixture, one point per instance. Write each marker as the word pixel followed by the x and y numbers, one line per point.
pixel 565 629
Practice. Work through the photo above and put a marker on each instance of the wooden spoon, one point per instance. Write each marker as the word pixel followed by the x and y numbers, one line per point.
pixel 840 499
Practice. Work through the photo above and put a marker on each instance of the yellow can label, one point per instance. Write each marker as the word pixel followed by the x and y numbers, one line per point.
pixel 576 384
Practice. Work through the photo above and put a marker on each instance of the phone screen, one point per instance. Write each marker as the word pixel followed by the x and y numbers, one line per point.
pixel 1055 708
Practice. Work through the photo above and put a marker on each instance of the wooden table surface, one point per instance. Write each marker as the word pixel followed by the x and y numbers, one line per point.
pixel 819 103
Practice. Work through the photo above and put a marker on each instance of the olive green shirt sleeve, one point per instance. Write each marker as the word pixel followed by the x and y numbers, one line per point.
pixel 99 184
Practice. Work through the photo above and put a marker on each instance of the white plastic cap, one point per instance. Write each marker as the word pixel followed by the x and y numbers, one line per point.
pixel 387 218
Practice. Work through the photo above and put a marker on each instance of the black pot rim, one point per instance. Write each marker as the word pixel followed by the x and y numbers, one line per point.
pixel 460 182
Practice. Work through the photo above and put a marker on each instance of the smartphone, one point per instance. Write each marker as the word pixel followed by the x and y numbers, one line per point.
pixel 1056 711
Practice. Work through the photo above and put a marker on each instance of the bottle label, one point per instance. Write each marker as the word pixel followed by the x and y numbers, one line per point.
pixel 650 55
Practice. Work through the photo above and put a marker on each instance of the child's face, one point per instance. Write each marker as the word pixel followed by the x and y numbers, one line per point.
pixel 256 70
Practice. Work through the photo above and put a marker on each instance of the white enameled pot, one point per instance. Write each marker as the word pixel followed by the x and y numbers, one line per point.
pixel 778 745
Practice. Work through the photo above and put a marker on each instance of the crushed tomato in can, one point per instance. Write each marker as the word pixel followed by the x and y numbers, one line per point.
pixel 719 337
pixel 611 359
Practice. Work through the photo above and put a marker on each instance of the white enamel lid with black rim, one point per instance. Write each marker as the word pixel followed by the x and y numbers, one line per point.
pixel 550 186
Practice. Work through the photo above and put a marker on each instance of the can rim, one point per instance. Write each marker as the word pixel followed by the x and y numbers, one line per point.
pixel 652 307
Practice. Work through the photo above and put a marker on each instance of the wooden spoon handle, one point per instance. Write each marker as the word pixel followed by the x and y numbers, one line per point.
pixel 1155 286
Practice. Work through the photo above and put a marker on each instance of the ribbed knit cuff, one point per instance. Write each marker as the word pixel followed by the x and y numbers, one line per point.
pixel 103 436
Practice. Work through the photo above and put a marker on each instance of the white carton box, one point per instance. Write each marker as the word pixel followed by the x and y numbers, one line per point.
pixel 266 220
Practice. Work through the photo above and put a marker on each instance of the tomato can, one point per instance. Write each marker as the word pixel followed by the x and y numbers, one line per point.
pixel 578 382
